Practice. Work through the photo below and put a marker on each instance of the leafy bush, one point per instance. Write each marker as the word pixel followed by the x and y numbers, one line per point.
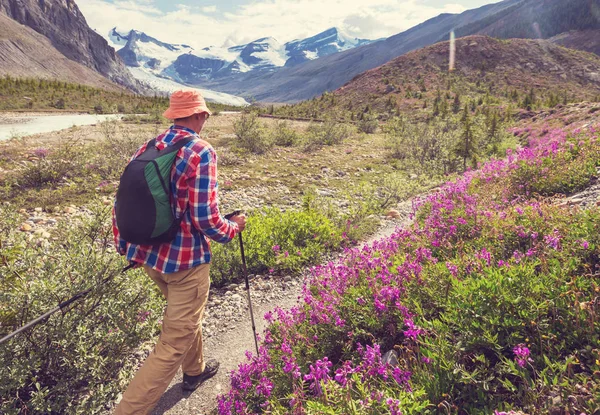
pixel 327 133
pixel 79 359
pixel 284 135
pixel 276 241
pixel 51 166
pixel 252 135
pixel 564 169
pixel 443 146
pixel 368 124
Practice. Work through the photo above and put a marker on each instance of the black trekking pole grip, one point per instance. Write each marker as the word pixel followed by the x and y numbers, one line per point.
pixel 245 270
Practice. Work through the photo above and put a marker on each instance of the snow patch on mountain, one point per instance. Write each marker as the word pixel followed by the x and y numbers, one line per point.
pixel 168 86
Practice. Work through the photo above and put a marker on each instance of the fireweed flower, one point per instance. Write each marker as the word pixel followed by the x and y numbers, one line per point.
pixel 341 374
pixel 41 152
pixel 413 331
pixel 318 372
pixel 265 386
pixel 452 268
pixel 394 406
pixel 521 354
pixel 553 241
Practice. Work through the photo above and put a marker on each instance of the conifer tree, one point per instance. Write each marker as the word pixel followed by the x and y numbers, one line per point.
pixel 456 104
pixel 466 146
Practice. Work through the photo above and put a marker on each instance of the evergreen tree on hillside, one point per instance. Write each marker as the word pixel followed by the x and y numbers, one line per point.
pixel 466 146
pixel 456 104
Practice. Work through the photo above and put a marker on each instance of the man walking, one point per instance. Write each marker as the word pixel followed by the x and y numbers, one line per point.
pixel 181 268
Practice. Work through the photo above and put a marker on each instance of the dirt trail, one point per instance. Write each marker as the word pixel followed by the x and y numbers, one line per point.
pixel 229 345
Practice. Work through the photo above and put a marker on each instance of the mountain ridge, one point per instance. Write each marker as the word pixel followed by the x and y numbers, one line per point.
pixel 187 65
pixel 25 53
pixel 63 24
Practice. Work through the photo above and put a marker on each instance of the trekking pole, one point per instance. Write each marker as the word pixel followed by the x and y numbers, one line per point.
pixel 245 270
pixel 59 307
pixel 248 291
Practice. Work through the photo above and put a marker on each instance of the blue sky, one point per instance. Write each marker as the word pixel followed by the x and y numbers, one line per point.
pixel 233 22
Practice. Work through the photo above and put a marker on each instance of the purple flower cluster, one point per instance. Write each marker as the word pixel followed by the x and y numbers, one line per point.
pixel 373 282
pixel 521 354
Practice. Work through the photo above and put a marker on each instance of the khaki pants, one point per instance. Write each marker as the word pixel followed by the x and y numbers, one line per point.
pixel 180 342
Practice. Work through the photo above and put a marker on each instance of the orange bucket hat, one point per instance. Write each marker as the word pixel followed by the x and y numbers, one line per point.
pixel 185 104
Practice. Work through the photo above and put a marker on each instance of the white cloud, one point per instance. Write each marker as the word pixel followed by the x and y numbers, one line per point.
pixel 209 9
pixel 282 19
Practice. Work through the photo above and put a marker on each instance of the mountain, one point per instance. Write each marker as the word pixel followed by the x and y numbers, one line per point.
pixel 507 19
pixel 312 78
pixel 184 64
pixel 24 53
pixel 324 44
pixel 488 70
pixel 63 24
pixel 537 19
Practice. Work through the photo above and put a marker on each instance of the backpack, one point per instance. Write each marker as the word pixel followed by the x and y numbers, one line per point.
pixel 143 210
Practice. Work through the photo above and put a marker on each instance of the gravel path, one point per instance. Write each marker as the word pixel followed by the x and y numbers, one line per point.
pixel 228 331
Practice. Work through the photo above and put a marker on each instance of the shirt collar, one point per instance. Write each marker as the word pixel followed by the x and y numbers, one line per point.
pixel 182 128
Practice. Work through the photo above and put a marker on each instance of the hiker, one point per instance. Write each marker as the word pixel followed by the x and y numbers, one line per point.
pixel 180 268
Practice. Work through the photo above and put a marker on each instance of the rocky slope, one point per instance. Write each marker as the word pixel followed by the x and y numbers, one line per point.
pixel 63 24
pixel 587 40
pixel 26 53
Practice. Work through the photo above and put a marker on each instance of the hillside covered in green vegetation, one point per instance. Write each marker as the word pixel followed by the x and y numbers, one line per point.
pixel 30 94
pixel 504 74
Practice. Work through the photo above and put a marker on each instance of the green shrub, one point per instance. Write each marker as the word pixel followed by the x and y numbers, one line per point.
pixel 281 242
pixel 327 133
pixel 284 135
pixel 79 359
pixel 368 124
pixel 52 166
pixel 565 172
pixel 252 135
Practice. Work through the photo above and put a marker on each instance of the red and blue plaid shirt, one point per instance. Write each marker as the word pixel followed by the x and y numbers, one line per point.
pixel 194 187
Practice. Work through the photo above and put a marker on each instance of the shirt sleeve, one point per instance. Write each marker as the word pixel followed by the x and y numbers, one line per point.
pixel 203 200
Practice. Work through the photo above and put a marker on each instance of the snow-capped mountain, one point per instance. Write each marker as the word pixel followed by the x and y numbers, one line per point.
pixel 184 64
pixel 140 50
pixel 326 43
pixel 149 61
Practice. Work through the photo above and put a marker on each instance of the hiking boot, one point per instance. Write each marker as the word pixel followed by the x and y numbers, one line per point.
pixel 191 383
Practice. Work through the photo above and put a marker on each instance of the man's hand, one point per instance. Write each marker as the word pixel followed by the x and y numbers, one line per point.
pixel 240 220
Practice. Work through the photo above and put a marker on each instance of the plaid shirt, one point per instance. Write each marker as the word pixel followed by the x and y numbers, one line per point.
pixel 194 187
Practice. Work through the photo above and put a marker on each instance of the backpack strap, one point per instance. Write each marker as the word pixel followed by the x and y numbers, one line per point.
pixel 182 143
pixel 170 148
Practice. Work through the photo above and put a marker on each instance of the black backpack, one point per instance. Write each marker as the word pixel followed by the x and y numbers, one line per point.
pixel 143 211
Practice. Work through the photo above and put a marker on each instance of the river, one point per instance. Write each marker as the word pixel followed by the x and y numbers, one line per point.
pixel 16 125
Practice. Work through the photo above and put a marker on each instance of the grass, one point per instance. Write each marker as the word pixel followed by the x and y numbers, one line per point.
pixel 278 178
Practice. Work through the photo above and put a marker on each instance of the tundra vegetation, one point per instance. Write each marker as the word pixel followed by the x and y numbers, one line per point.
pixel 470 300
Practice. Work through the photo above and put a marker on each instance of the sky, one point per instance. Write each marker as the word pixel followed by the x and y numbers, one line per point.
pixel 202 23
